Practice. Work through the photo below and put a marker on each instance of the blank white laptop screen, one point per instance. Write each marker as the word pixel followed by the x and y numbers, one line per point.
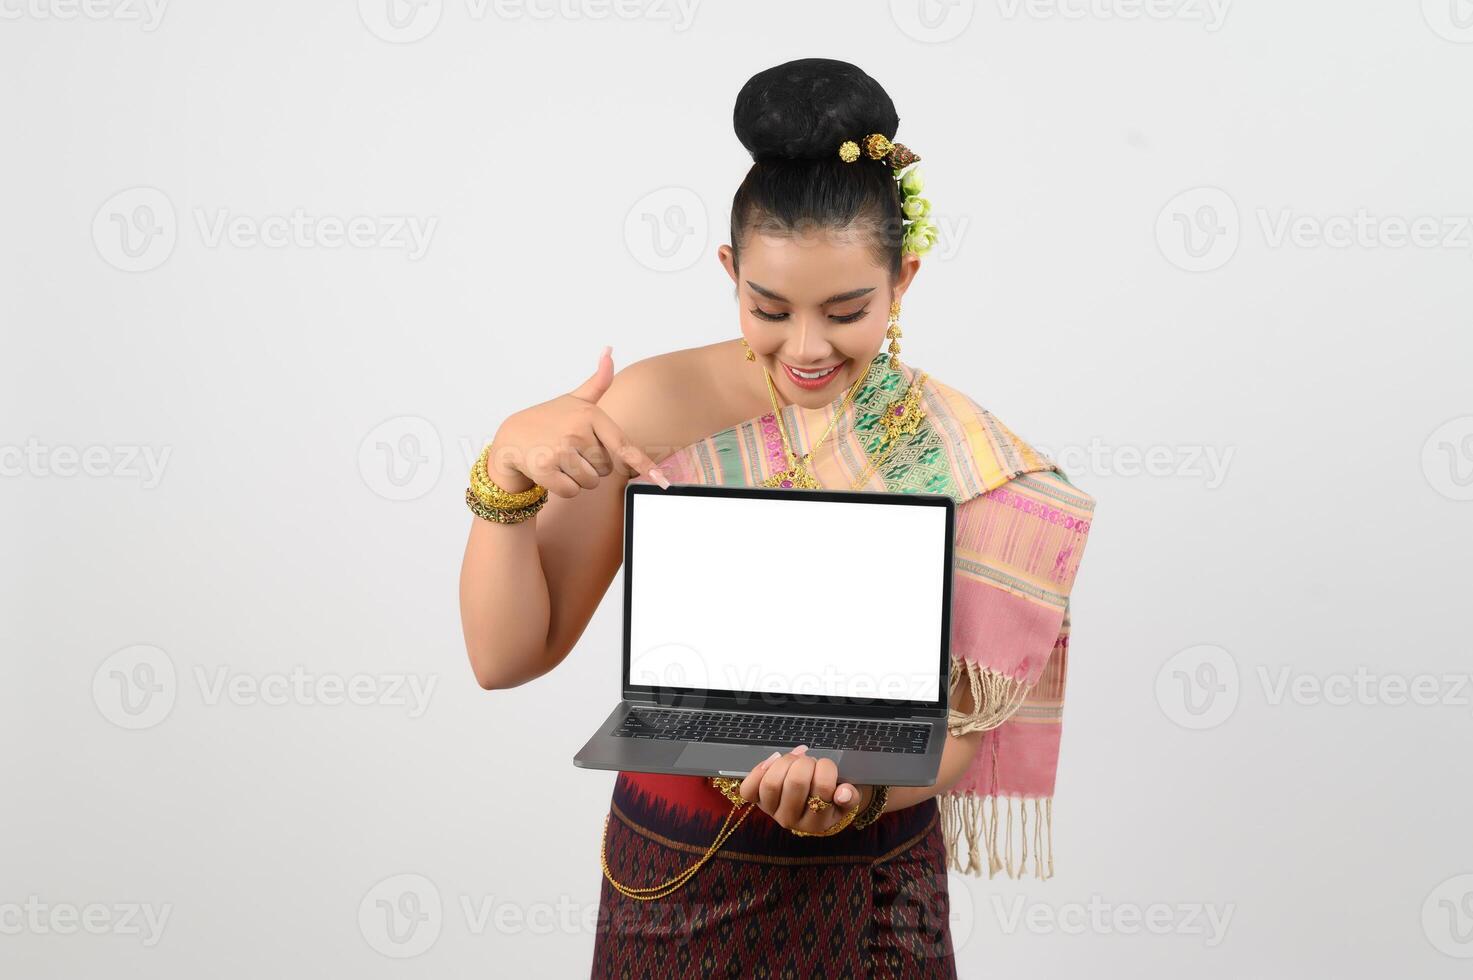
pixel 787 597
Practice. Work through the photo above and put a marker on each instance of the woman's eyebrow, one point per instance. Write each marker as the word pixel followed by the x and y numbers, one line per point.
pixel 836 298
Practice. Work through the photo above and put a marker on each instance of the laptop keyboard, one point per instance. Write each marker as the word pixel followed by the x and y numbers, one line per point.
pixel 739 728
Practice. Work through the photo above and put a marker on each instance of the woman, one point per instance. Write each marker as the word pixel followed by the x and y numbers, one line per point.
pixel 791 871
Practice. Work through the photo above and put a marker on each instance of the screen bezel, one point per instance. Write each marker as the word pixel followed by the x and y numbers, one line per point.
pixel 744 700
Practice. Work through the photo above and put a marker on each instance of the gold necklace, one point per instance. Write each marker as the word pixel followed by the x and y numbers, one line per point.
pixel 902 417
pixel 798 474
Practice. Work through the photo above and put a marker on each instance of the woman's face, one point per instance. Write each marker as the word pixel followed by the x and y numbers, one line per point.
pixel 813 309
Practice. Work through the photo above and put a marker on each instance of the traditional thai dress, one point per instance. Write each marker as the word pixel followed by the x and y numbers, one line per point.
pixel 872 902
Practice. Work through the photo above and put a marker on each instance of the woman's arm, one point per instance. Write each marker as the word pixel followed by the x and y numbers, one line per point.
pixel 528 590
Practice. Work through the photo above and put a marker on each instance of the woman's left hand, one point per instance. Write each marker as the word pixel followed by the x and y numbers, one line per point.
pixel 781 785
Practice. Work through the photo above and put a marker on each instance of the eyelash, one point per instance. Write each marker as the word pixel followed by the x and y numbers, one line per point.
pixel 762 314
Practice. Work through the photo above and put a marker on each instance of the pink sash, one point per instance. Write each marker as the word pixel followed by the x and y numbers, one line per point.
pixel 1020 533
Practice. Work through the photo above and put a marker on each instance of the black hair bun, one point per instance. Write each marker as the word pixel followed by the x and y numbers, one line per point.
pixel 803 110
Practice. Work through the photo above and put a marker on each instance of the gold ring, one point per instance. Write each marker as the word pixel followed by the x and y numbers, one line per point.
pixel 815 804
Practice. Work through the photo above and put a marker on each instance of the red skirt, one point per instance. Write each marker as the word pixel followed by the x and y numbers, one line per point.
pixel 862 903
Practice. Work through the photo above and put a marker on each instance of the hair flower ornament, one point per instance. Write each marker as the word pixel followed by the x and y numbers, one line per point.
pixel 919 231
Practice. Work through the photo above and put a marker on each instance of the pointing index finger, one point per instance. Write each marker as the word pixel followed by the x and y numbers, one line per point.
pixel 619 447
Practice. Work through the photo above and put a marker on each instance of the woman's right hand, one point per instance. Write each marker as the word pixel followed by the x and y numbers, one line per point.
pixel 567 444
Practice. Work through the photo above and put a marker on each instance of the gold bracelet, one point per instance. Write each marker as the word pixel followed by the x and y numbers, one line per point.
pixel 500 515
pixel 847 819
pixel 729 786
pixel 493 496
pixel 876 808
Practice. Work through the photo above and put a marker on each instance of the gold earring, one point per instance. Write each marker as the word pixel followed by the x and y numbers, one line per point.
pixel 893 332
pixel 751 355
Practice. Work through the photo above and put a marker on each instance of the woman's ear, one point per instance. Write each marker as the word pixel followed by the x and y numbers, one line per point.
pixel 910 264
pixel 727 258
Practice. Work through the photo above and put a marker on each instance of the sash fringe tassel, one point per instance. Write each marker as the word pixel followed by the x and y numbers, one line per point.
pixel 1024 835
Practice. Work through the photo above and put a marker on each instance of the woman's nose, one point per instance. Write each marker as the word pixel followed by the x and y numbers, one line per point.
pixel 812 345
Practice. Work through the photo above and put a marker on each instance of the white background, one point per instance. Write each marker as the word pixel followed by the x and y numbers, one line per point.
pixel 712 609
pixel 1277 424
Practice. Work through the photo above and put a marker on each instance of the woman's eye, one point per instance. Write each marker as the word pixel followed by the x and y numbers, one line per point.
pixel 762 314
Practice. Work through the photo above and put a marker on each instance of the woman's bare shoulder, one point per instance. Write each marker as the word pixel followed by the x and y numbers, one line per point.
pixel 669 400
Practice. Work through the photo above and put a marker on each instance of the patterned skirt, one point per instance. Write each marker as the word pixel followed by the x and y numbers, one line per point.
pixel 869 903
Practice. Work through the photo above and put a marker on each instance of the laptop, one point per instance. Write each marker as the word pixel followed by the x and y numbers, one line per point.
pixel 757 620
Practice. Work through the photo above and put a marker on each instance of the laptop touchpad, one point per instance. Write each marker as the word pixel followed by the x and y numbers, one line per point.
pixel 718 759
